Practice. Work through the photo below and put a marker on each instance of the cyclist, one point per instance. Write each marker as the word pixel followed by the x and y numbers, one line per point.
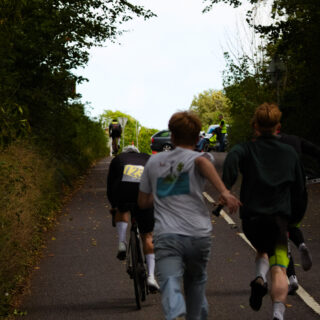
pixel 115 131
pixel 272 194
pixel 173 182
pixel 122 191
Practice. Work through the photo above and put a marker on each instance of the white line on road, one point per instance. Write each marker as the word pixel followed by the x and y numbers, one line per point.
pixel 303 294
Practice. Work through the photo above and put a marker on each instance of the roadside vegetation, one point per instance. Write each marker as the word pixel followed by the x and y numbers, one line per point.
pixel 133 132
pixel 46 139
pixel 284 68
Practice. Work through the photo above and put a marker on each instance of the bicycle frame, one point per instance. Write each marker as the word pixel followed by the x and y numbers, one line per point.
pixel 136 266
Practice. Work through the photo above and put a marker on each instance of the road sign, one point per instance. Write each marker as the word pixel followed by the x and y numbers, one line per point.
pixel 122 121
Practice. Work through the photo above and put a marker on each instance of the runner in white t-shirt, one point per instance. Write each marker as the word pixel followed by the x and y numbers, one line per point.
pixel 173 182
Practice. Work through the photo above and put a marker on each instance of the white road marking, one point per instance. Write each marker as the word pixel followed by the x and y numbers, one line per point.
pixel 303 294
pixel 208 197
pixel 226 217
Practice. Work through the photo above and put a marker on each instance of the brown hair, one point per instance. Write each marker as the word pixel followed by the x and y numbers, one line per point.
pixel 185 127
pixel 266 117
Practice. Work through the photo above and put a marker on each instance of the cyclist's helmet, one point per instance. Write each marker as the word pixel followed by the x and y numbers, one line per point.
pixel 130 149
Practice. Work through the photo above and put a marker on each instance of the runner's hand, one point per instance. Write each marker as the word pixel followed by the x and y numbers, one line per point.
pixel 229 200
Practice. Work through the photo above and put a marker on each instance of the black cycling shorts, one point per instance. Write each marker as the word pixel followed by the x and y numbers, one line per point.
pixel 268 234
pixel 144 217
pixel 115 134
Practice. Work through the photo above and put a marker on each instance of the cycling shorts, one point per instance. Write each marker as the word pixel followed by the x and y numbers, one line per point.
pixel 268 234
pixel 115 134
pixel 144 217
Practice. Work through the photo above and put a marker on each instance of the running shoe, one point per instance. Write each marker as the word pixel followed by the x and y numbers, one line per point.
pixel 293 285
pixel 305 256
pixel 122 251
pixel 259 289
pixel 153 284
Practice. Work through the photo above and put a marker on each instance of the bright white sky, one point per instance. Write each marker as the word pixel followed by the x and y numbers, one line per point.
pixel 162 63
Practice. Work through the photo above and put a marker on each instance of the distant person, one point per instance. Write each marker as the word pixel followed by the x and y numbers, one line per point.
pixel 206 139
pixel 222 135
pixel 173 182
pixel 122 191
pixel 115 131
pixel 273 194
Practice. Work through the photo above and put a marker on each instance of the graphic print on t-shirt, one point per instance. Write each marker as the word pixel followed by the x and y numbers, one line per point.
pixel 173 184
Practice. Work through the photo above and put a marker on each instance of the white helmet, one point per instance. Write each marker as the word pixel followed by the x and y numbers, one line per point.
pixel 130 149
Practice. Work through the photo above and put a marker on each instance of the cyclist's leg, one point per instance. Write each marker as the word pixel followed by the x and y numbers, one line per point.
pixel 113 145
pixel 122 220
pixel 169 251
pixel 197 255
pixel 148 251
pixel 145 220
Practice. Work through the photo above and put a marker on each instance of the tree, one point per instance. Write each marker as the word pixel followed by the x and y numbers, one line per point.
pixel 42 41
pixel 209 104
pixel 246 88
pixel 293 36
pixel 130 132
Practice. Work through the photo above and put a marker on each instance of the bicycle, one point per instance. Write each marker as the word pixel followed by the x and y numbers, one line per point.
pixel 136 266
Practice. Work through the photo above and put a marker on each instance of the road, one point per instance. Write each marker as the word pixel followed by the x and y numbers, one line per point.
pixel 80 278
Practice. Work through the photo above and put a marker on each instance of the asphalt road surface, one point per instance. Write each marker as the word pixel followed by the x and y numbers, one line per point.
pixel 79 276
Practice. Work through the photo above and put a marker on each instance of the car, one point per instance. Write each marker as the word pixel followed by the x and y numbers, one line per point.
pixel 161 141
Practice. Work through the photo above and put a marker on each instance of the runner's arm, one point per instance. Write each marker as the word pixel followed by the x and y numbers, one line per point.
pixel 145 200
pixel 207 169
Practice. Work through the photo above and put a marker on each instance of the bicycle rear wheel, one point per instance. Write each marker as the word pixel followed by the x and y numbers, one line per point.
pixel 135 269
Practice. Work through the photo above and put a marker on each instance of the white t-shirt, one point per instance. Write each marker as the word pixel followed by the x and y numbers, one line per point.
pixel 177 186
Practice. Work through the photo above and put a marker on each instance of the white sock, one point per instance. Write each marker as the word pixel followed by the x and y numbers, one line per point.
pixel 150 263
pixel 122 230
pixel 262 268
pixel 278 310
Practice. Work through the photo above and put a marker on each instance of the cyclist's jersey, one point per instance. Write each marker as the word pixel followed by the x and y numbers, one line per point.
pixel 124 177
pixel 115 129
pixel 273 180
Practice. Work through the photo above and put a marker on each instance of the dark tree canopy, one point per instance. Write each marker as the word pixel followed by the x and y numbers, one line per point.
pixel 42 41
pixel 293 37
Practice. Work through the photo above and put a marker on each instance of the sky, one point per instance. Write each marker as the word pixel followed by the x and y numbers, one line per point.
pixel 161 64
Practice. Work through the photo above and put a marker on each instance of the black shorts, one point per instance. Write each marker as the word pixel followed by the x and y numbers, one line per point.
pixel 268 234
pixel 144 217
pixel 115 134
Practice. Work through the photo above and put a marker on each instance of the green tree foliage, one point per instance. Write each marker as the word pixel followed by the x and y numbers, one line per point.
pixel 208 105
pixel 41 43
pixel 246 88
pixel 131 133
pixel 294 37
